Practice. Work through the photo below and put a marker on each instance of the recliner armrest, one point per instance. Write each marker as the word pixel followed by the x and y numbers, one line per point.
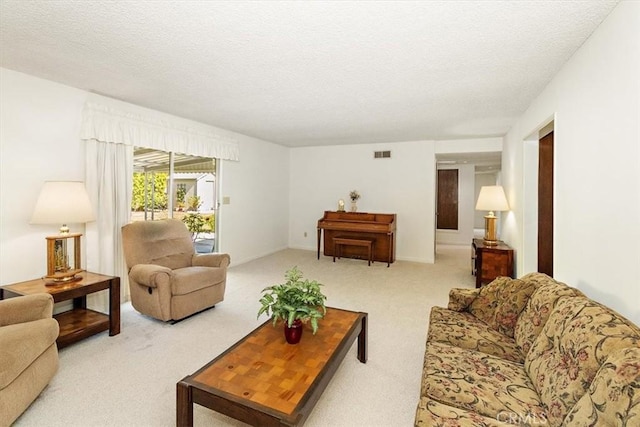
pixel 211 260
pixel 26 309
pixel 145 274
pixel 461 298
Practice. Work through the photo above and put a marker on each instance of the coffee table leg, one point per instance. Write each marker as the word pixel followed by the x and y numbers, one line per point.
pixel 184 406
pixel 362 341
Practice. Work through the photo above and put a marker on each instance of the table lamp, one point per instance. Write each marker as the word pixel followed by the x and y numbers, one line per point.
pixel 491 198
pixel 63 202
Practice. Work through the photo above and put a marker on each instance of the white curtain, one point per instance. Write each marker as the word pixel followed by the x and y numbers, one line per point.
pixel 111 129
pixel 109 182
pixel 108 120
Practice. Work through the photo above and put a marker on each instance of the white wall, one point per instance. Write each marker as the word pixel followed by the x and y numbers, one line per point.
pixel 39 128
pixel 39 140
pixel 464 146
pixel 403 184
pixel 256 221
pixel 595 99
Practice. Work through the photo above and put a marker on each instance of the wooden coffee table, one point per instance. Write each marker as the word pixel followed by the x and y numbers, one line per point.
pixel 263 381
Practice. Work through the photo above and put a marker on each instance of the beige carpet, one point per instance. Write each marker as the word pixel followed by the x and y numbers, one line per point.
pixel 130 379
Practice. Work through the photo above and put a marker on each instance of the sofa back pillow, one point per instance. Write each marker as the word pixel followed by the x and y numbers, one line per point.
pixel 499 303
pixel 573 344
pixel 614 393
pixel 539 307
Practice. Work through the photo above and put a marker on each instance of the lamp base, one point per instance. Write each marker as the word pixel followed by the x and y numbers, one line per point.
pixel 490 232
pixel 490 242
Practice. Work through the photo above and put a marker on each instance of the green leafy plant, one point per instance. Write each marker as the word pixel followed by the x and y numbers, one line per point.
pixel 194 203
pixel 294 299
pixel 180 196
pixel 195 222
pixel 354 195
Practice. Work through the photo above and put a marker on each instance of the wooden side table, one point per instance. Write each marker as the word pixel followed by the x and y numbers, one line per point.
pixel 489 262
pixel 79 322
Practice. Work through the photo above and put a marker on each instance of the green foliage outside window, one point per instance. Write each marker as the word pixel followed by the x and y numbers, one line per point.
pixel 198 223
pixel 160 194
pixel 180 195
pixel 194 203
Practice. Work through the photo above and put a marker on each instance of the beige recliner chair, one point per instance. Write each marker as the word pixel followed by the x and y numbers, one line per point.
pixel 168 280
pixel 28 352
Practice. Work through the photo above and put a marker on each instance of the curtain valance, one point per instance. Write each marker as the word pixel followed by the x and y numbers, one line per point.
pixel 108 120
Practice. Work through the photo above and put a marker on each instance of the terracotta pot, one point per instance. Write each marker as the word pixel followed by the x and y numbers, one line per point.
pixel 293 333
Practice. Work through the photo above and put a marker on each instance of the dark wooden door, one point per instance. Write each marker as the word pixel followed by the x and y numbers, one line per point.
pixel 545 205
pixel 447 199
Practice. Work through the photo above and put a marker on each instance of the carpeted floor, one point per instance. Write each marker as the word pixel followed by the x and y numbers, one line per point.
pixel 130 379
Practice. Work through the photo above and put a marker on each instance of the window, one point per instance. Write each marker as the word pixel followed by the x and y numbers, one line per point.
pixel 172 185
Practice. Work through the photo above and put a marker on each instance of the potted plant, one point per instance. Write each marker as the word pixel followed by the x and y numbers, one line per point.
pixel 295 302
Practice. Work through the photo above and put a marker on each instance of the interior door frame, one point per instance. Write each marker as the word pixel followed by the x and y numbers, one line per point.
pixel 546 184
pixel 527 260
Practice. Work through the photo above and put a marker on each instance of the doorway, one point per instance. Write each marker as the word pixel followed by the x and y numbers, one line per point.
pixel 447 208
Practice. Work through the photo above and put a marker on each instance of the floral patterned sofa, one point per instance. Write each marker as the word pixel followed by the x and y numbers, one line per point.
pixel 529 352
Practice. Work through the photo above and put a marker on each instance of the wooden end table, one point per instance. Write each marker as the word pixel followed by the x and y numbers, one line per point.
pixel 263 381
pixel 79 322
pixel 490 261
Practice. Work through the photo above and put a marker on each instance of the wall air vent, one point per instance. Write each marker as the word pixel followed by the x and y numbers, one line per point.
pixel 382 154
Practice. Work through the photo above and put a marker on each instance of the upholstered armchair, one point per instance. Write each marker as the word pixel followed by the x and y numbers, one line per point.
pixel 28 352
pixel 167 278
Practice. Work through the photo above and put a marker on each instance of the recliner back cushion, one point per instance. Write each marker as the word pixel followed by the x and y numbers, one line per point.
pixel 164 242
pixel 539 307
pixel 576 340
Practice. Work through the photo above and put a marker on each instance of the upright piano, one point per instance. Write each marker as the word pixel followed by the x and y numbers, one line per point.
pixel 355 225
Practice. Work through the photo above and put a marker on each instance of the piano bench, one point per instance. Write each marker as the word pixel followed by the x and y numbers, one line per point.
pixel 338 242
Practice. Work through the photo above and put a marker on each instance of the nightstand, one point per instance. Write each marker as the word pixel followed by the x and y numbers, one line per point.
pixel 489 262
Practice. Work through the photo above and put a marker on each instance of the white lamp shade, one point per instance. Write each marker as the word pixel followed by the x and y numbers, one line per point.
pixel 492 198
pixel 63 202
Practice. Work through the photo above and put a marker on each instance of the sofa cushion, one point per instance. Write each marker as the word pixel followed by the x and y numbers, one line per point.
pixel 191 279
pixel 614 393
pixel 433 413
pixel 464 330
pixel 478 382
pixel 461 298
pixel 500 302
pixel 21 344
pixel 572 346
pixel 537 310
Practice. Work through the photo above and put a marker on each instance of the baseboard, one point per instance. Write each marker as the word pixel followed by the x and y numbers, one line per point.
pixel 253 258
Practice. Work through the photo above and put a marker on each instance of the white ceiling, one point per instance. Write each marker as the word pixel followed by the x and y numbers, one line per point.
pixel 307 73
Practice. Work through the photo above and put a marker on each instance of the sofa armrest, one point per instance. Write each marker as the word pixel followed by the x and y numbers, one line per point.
pixel 461 298
pixel 26 309
pixel 145 274
pixel 211 260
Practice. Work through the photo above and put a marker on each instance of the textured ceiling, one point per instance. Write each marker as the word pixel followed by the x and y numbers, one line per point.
pixel 307 73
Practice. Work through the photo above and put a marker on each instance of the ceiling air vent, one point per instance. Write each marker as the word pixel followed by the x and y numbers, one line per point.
pixel 382 154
